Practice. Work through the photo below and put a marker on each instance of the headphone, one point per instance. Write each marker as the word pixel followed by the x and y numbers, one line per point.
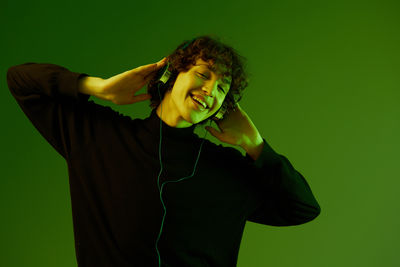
pixel 163 76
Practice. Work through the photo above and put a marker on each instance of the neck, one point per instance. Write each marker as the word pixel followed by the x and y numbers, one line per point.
pixel 170 114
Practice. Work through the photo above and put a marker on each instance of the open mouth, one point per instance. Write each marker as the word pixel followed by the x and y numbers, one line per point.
pixel 197 103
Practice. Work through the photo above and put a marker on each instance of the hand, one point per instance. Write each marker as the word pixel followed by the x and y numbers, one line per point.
pixel 236 128
pixel 121 88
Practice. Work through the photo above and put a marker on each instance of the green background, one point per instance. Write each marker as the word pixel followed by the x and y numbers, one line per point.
pixel 323 89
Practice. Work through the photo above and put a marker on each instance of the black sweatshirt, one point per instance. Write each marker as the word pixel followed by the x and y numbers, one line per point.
pixel 113 165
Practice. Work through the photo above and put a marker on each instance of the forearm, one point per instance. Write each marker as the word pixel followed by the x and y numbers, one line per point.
pixel 291 200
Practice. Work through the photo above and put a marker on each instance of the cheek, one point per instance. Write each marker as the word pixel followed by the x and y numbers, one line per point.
pixel 186 86
pixel 215 109
pixel 220 102
pixel 179 90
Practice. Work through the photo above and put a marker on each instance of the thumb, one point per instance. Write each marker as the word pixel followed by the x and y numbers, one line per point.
pixel 141 97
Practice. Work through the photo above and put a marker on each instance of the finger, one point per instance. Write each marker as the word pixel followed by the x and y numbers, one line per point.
pixel 160 63
pixel 147 69
pixel 153 73
pixel 213 131
pixel 217 122
pixel 237 107
pixel 149 77
pixel 163 60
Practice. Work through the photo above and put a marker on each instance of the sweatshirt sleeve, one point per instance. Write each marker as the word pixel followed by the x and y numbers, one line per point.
pixel 48 95
pixel 285 196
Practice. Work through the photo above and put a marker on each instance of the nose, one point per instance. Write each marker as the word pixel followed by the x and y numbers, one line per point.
pixel 209 89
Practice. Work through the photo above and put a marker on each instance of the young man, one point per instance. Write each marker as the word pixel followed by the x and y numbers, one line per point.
pixel 130 205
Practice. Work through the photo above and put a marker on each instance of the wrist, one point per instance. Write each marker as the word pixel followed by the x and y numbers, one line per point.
pixel 254 149
pixel 90 86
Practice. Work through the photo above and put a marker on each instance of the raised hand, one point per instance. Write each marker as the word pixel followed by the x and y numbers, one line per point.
pixel 121 88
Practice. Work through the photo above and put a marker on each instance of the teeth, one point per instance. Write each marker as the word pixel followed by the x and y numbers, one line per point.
pixel 198 99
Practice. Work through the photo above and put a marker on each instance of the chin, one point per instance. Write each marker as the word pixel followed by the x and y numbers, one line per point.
pixel 203 120
pixel 193 120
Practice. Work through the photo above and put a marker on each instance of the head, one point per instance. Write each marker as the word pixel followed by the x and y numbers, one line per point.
pixel 206 68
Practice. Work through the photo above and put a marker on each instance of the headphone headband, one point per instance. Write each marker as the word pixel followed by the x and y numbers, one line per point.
pixel 187 44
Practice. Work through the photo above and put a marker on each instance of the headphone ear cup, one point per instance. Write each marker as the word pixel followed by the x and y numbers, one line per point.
pixel 164 74
pixel 219 115
pixel 165 77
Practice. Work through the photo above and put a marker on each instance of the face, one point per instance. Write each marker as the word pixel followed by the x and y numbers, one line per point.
pixel 200 80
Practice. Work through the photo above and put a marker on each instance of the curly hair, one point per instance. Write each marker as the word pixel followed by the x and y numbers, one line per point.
pixel 207 48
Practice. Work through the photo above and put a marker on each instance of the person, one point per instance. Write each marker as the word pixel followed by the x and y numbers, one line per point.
pixel 130 203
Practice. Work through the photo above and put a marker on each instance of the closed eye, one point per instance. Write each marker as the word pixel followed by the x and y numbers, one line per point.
pixel 206 78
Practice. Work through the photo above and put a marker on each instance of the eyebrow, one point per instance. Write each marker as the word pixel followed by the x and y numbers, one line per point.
pixel 224 80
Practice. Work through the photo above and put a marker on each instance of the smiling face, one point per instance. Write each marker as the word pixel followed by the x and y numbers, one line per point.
pixel 180 109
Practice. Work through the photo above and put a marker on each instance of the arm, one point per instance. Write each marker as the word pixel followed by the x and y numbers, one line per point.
pixel 56 100
pixel 286 197
pixel 48 96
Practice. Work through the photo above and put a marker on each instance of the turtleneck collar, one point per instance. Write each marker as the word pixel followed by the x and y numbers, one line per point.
pixel 153 124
